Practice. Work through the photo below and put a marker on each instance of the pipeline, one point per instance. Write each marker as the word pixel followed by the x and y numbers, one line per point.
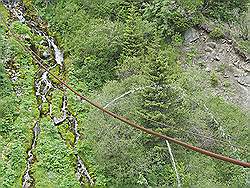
pixel 131 123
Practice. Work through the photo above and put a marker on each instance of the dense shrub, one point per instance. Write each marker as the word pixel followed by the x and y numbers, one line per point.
pixel 225 10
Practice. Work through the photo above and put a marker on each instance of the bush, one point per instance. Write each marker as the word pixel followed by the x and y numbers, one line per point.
pixel 170 17
pixel 214 79
pixel 227 11
pixel 216 33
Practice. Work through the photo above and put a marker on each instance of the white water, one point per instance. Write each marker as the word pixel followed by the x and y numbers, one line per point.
pixel 43 85
pixel 64 111
pixel 27 179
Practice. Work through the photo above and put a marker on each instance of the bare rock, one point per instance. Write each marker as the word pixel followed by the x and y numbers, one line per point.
pixel 221 50
pixel 217 58
pixel 208 69
pixel 211 45
pixel 236 63
pixel 206 28
pixel 246 67
pixel 46 54
pixel 208 49
pixel 191 35
pixel 244 81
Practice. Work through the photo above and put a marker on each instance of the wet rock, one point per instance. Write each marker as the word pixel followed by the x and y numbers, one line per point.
pixel 191 35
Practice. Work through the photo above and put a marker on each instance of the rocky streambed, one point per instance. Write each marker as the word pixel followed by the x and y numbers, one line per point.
pixel 45 89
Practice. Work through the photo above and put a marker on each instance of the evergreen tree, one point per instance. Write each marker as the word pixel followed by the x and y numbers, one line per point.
pixel 132 37
pixel 163 101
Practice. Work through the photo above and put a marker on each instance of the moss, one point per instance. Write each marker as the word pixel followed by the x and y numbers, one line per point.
pixel 55 71
pixel 4 14
pixel 56 102
pixel 216 33
pixel 245 45
pixel 214 79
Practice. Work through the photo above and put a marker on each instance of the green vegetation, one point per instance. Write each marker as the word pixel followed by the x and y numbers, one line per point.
pixel 216 33
pixel 16 119
pixel 128 55
pixel 225 10
pixel 214 79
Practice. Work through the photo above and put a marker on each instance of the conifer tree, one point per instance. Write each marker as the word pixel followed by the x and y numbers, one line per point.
pixel 163 101
pixel 132 37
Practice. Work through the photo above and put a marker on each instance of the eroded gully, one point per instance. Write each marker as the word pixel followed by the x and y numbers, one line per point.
pixel 44 90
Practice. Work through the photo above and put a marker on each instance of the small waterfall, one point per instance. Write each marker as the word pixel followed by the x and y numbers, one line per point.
pixel 43 87
pixel 28 180
pixel 58 121
pixel 81 170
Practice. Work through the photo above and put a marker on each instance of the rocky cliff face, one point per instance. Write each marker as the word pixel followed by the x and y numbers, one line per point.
pixel 223 58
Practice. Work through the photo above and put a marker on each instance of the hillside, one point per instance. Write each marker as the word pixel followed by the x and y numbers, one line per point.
pixel 179 68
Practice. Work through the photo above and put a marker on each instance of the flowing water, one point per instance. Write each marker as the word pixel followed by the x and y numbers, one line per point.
pixel 44 88
pixel 28 180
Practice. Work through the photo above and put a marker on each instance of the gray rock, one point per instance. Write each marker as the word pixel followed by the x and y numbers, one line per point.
pixel 244 81
pixel 46 54
pixel 208 49
pixel 223 41
pixel 204 38
pixel 246 67
pixel 221 50
pixel 211 45
pixel 217 58
pixel 208 69
pixel 248 59
pixel 229 41
pixel 206 28
pixel 191 35
pixel 236 63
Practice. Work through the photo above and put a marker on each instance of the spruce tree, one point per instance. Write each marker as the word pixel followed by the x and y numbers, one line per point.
pixel 163 101
pixel 132 37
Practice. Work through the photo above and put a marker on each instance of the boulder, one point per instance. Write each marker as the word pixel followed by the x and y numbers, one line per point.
pixel 46 54
pixel 191 35
pixel 208 49
pixel 211 45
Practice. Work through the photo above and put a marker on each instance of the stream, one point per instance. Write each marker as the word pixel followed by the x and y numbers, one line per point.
pixel 44 88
